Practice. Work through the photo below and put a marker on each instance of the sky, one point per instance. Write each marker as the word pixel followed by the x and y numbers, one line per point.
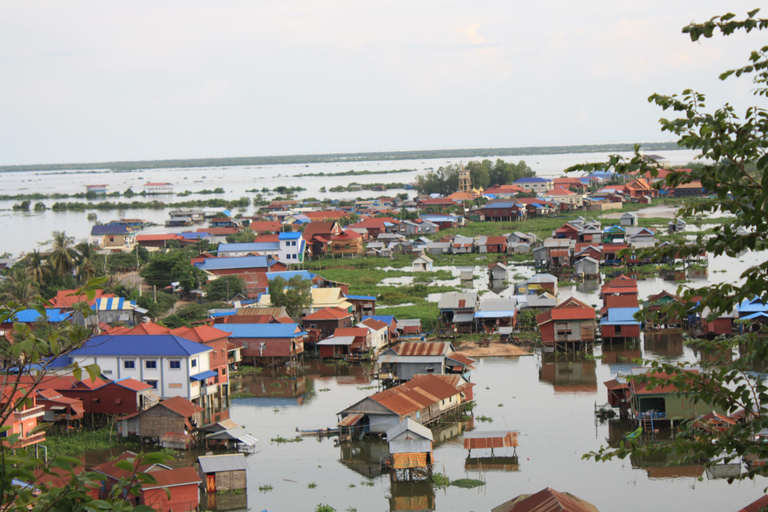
pixel 96 81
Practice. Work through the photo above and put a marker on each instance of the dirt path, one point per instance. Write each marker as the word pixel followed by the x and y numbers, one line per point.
pixel 496 349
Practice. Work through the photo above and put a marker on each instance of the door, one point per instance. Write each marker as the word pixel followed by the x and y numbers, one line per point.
pixel 211 483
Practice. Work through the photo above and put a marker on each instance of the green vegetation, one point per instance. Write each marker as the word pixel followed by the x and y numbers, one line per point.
pixel 282 440
pixel 311 485
pixel 85 441
pixel 265 488
pixel 467 483
pixel 484 419
pixel 295 294
pixel 439 480
pixel 733 167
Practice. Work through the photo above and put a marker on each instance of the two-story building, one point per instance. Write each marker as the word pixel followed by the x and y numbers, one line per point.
pixel 174 366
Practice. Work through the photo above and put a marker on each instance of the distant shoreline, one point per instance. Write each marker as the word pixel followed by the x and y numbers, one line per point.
pixel 341 157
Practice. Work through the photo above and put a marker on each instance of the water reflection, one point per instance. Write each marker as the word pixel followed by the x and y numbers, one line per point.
pixel 568 373
pixel 621 353
pixel 365 457
pixel 667 344
pixel 412 496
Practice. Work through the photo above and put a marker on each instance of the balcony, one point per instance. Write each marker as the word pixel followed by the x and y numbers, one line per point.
pixel 26 414
pixel 30 440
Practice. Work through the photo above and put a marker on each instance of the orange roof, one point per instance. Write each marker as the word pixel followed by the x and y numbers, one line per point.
pixel 503 189
pixel 158 237
pixel 266 238
pixel 326 215
pixel 350 331
pixel 142 329
pixel 328 314
pixel 169 477
pixel 375 324
pixel 620 301
pixel 421 348
pixel 560 191
pixel 546 500
pixel 641 388
pixel 132 384
pixel 200 333
pixel 110 468
pixel 462 359
pixel 461 196
pixel 263 226
pixel 420 392
pixel 283 320
pixel 181 406
pixel 68 298
pixel 570 309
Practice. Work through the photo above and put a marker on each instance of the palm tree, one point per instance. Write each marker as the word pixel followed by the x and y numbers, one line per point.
pixel 19 286
pixel 37 266
pixel 62 257
pixel 87 255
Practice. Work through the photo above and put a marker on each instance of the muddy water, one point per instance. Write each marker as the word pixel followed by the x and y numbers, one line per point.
pixel 550 399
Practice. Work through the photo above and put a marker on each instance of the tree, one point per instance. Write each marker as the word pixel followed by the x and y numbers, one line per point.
pixel 37 267
pixel 63 256
pixel 87 261
pixel 224 288
pixel 37 349
pixel 19 286
pixel 480 173
pixel 295 294
pixel 444 181
pixel 172 266
pixel 244 236
pixel 733 149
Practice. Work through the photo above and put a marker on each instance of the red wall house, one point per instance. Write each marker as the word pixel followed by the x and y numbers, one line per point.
pixel 125 396
pixel 624 331
pixel 268 340
pixel 175 490
pixel 23 420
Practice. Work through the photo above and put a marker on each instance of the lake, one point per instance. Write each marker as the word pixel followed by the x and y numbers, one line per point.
pixel 26 231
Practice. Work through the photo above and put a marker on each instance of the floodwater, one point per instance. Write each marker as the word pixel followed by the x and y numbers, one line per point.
pixel 549 398
pixel 25 230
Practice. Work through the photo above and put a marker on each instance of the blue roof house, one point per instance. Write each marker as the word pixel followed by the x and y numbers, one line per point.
pixel 172 365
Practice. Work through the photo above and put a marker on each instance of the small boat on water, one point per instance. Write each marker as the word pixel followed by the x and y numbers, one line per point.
pixel 317 431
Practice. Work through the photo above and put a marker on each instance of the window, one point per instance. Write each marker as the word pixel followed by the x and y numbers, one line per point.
pixel 175 364
pixel 129 365
pixel 106 372
pixel 150 364
pixel 152 383
pixel 223 371
pixel 194 363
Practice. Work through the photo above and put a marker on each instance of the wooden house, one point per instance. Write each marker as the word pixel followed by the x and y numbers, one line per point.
pixel 497 272
pixel 538 284
pixel 409 326
pixel 457 307
pixel 657 311
pixel 495 313
pixel 405 360
pixel 347 244
pixel 258 341
pixel 619 324
pixel 424 399
pixel 362 305
pixel 223 472
pixel 393 324
pixel 59 408
pixel 663 401
pixel 587 267
pixel 621 285
pixel 639 238
pixel 614 234
pixel 566 231
pixel 410 448
pixel 628 219
pixel 176 415
pixel 327 320
pixel 567 326
pixel 345 342
pixel 422 264
pixel 378 333
pixel 494 244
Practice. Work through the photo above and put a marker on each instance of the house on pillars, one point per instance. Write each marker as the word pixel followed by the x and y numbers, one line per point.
pixel 410 448
pixel 569 326
pixel 424 399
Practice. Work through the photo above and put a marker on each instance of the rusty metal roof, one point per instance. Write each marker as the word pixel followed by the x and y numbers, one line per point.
pixel 495 439
pixel 546 500
pixel 422 349
pixel 420 392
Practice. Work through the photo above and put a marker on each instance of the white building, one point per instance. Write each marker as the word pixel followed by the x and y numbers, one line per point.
pixel 172 365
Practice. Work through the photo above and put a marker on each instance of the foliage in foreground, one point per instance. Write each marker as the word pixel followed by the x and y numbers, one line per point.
pixel 733 149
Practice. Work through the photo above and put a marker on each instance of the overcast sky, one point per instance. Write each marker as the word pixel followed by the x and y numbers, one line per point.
pixel 135 80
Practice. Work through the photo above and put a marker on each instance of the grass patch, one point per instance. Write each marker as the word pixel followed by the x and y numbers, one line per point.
pixel 439 480
pixel 282 440
pixel 265 488
pixel 467 483
pixel 311 485
pixel 248 370
pixel 241 394
pixel 484 419
pixel 88 440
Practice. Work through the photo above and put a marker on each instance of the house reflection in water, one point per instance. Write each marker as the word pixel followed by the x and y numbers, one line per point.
pixel 282 389
pixel 665 344
pixel 568 373
pixel 621 354
pixel 445 433
pixel 365 457
pixel 411 496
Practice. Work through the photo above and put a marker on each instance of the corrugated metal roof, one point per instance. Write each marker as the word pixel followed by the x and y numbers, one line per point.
pixel 546 500
pixel 337 340
pixel 139 345
pixel 265 330
pixel 409 424
pixel 422 349
pixel 233 263
pixel 218 463
pixel 420 392
pixel 392 358
pixel 495 314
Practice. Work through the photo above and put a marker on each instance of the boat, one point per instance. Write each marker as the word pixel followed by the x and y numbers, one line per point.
pixel 317 431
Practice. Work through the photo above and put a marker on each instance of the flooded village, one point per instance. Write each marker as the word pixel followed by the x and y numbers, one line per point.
pixel 401 352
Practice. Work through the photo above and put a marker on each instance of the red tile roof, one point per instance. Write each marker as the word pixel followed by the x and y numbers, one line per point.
pixel 375 324
pixel 132 384
pixel 328 314
pixel 265 226
pixel 68 298
pixel 350 331
pixel 181 406
pixel 642 388
pixel 169 477
pixel 200 333
pixel 418 393
pixel 570 309
pixel 546 500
